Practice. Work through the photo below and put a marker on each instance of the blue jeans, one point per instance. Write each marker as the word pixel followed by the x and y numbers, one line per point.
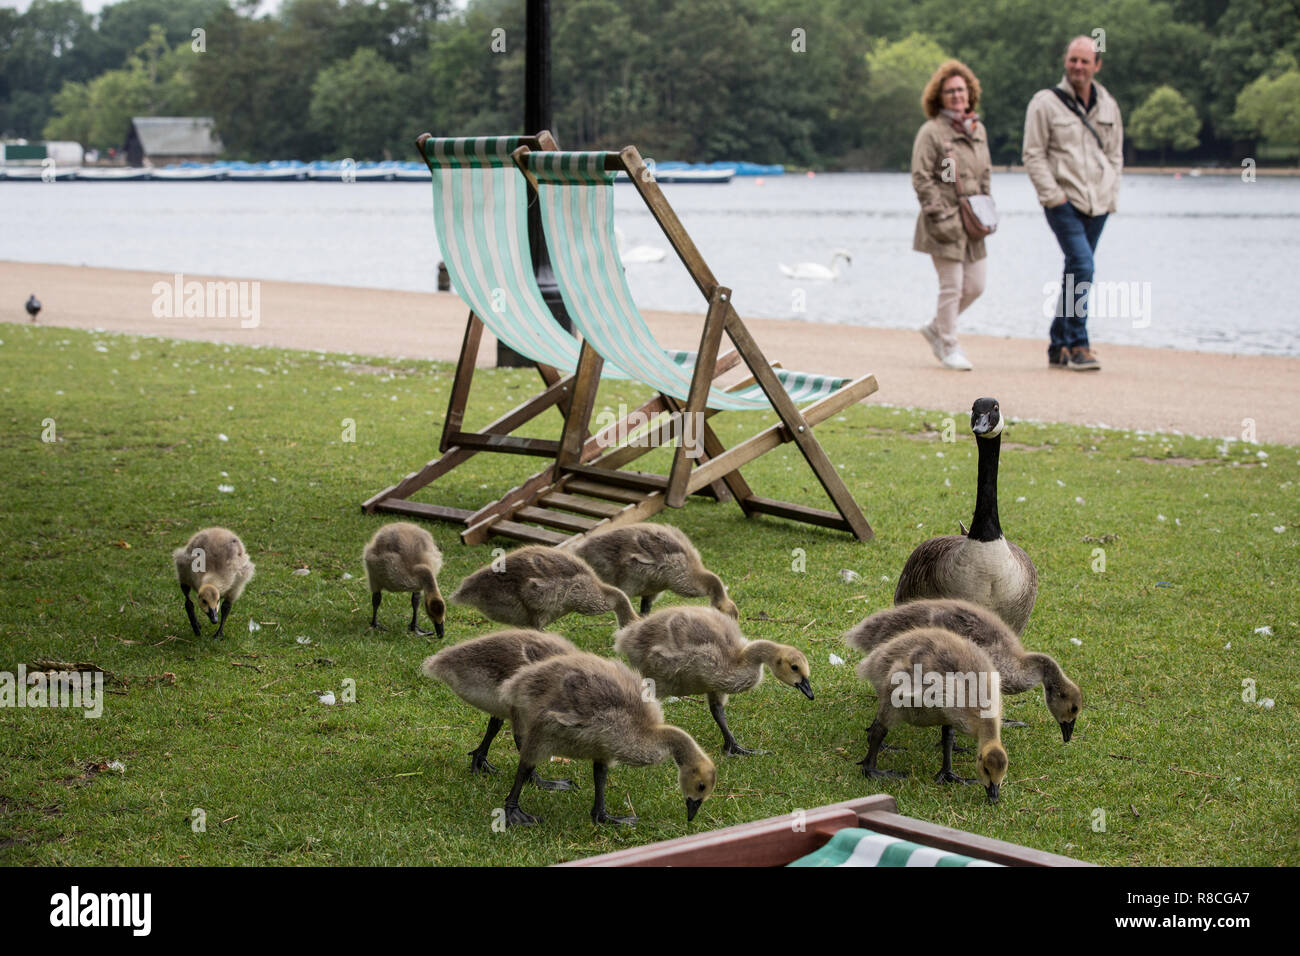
pixel 1077 235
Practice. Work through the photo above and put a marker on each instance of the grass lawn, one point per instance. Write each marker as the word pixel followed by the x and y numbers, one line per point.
pixel 1168 765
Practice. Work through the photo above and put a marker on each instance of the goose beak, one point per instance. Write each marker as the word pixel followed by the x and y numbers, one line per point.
pixel 982 424
pixel 692 808
pixel 806 687
pixel 1067 730
pixel 993 790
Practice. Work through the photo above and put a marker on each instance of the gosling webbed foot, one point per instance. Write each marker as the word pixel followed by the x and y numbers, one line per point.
pixel 958 749
pixel 552 784
pixel 1013 723
pixel 479 763
pixel 734 749
pixel 892 747
pixel 419 630
pixel 376 627
pixel 947 776
pixel 515 817
pixel 600 816
pixel 884 774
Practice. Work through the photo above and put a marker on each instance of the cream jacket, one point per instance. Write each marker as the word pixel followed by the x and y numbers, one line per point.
pixel 939 230
pixel 1063 159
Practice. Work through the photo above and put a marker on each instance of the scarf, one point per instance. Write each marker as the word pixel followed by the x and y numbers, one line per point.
pixel 962 122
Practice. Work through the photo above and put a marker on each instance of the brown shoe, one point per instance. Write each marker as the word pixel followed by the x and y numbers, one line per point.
pixel 1059 358
pixel 1082 360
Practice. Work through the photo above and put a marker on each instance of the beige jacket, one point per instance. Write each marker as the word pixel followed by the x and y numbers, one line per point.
pixel 1063 159
pixel 939 230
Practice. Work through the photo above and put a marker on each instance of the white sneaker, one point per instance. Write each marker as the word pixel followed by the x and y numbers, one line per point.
pixel 956 360
pixel 931 336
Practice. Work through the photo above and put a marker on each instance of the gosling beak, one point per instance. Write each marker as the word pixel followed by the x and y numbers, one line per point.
pixel 1067 729
pixel 438 629
pixel 692 808
pixel 212 614
pixel 992 790
pixel 806 687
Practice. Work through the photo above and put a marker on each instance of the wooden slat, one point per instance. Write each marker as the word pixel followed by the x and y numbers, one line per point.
pixel 583 506
pixel 511 444
pixel 419 509
pixel 701 379
pixel 556 519
pixel 461 381
pixel 524 532
pixel 641 480
pixel 785 509
pixel 609 491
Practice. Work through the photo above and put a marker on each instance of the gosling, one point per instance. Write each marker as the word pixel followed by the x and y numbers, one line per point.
pixel 403 557
pixel 535 585
pixel 644 559
pixel 476 669
pixel 214 563
pixel 590 708
pixel 1020 670
pixel 697 650
pixel 932 676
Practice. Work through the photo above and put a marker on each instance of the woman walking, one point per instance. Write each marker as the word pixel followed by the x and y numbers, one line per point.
pixel 951 147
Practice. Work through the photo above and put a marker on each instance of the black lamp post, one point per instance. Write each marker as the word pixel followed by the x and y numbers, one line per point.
pixel 537 117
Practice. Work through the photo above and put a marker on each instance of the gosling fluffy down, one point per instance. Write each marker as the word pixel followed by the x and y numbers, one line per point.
pixel 1020 670
pixel 476 670
pixel 697 650
pixel 958 688
pixel 403 557
pixel 214 563
pixel 535 585
pixel 590 708
pixel 644 559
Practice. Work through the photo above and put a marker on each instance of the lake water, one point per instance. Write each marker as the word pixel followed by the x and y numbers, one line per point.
pixel 1203 260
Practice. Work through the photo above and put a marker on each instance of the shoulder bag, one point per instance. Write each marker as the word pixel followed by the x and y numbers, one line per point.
pixel 979 214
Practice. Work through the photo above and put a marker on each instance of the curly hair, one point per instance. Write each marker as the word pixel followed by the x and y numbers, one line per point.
pixel 932 99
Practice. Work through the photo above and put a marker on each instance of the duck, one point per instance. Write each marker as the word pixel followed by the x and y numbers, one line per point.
pixel 945 665
pixel 535 585
pixel 1020 670
pixel 476 669
pixel 215 563
pixel 644 559
pixel 979 565
pixel 403 557
pixel 588 707
pixel 697 650
pixel 814 270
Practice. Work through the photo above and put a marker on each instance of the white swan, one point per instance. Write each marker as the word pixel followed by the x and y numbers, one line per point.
pixel 636 253
pixel 813 270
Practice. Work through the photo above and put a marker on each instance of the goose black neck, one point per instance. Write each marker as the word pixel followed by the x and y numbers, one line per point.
pixel 984 525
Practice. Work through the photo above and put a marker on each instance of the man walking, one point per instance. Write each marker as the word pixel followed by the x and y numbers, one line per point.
pixel 1074 154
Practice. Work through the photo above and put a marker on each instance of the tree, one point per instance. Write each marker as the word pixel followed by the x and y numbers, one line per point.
pixel 897 74
pixel 357 104
pixel 1270 106
pixel 1165 121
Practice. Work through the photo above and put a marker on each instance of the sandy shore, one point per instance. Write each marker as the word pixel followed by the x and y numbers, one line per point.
pixel 1199 393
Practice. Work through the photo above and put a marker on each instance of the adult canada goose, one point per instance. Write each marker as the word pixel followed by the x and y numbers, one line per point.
pixel 980 566
pixel 589 708
pixel 33 306
pixel 644 559
pixel 697 650
pixel 534 585
pixel 403 557
pixel 215 563
pixel 931 676
pixel 1020 669
pixel 476 669
pixel 815 270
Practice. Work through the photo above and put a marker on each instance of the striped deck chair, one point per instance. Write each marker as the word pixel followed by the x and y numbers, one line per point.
pixel 480 206
pixel 575 191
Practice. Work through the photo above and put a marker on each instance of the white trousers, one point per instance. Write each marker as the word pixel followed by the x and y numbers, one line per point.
pixel 960 284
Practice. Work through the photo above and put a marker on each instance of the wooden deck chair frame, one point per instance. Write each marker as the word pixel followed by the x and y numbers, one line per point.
pixel 721 463
pixel 457 446
pixel 774 842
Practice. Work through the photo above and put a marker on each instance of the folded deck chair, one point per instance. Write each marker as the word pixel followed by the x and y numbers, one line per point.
pixel 575 191
pixel 480 214
pixel 830 836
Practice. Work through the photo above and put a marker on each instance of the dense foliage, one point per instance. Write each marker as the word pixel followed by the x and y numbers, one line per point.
pixel 814 82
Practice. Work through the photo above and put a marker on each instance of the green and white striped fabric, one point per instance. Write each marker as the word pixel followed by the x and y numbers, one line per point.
pixel 480 211
pixel 576 196
pixel 854 846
